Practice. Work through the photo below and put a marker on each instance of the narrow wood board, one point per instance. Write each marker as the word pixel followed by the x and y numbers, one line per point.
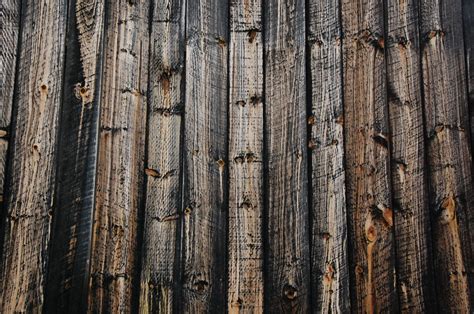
pixel 287 260
pixel 367 141
pixel 245 240
pixel 329 246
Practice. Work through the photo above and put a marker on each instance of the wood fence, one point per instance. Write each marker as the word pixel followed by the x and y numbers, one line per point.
pixel 212 156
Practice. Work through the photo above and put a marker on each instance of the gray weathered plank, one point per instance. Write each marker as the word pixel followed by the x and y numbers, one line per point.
pixel 245 241
pixel 9 28
pixel 205 157
pixel 287 277
pixel 409 177
pixel 32 171
pixel 329 251
pixel 449 155
pixel 161 261
pixel 366 134
pixel 120 168
pixel 68 277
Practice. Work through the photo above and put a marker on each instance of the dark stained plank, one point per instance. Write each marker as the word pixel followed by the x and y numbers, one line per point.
pixel 409 177
pixel 120 168
pixel 32 172
pixel 287 261
pixel 468 19
pixel 329 251
pixel 160 263
pixel 245 265
pixel 205 157
pixel 449 154
pixel 9 28
pixel 68 277
pixel 366 133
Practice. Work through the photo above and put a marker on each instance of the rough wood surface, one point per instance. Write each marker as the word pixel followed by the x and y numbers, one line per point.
pixel 468 19
pixel 329 251
pixel 160 262
pixel 68 277
pixel 449 154
pixel 26 227
pixel 9 28
pixel 205 157
pixel 120 169
pixel 366 143
pixel 245 241
pixel 409 178
pixel 287 261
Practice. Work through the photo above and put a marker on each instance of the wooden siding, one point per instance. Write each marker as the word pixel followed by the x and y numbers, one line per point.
pixel 181 156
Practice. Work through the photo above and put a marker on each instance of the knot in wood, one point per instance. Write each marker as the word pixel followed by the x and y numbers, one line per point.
pixel 289 292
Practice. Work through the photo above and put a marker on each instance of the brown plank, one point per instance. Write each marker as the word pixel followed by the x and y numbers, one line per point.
pixel 287 262
pixel 9 26
pixel 409 176
pixel 329 251
pixel 69 269
pixel 245 265
pixel 449 154
pixel 29 203
pixel 160 263
pixel 120 168
pixel 205 157
pixel 367 154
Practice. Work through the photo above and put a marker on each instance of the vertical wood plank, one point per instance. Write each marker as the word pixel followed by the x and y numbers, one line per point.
pixel 409 176
pixel 120 175
pixel 449 154
pixel 245 265
pixel 287 277
pixel 329 251
pixel 68 277
pixel 161 260
pixel 9 25
pixel 32 170
pixel 468 19
pixel 367 158
pixel 205 157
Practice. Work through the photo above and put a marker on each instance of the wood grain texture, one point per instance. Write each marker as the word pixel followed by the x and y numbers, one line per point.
pixel 205 157
pixel 161 260
pixel 329 251
pixel 120 169
pixel 245 241
pixel 468 23
pixel 26 227
pixel 287 262
pixel 449 154
pixel 9 36
pixel 409 178
pixel 366 133
pixel 69 269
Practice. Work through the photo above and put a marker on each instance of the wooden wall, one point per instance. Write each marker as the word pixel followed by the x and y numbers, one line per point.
pixel 212 156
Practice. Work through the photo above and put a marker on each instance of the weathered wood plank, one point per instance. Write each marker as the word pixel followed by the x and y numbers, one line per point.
pixel 409 177
pixel 245 265
pixel 68 278
pixel 366 142
pixel 9 28
pixel 449 155
pixel 205 157
pixel 32 171
pixel 329 251
pixel 287 277
pixel 120 169
pixel 468 19
pixel 161 260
